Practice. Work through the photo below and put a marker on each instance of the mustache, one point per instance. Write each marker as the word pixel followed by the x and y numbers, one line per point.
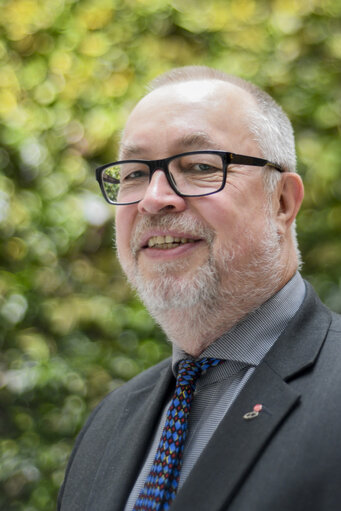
pixel 183 223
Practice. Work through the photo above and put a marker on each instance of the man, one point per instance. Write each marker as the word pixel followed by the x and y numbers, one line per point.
pixel 207 197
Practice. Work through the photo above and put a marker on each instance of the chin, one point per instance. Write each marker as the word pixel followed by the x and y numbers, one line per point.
pixel 167 289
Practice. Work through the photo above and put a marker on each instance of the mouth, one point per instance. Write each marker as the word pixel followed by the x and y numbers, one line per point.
pixel 167 242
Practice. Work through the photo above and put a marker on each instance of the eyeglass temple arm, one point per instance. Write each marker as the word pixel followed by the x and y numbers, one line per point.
pixel 251 160
pixel 109 179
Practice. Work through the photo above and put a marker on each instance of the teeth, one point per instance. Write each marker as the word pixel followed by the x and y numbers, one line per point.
pixel 167 241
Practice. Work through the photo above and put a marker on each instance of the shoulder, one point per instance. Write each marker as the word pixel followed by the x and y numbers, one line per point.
pixel 147 378
pixel 325 323
pixel 117 398
pixel 317 314
pixel 335 326
pixel 331 351
pixel 108 420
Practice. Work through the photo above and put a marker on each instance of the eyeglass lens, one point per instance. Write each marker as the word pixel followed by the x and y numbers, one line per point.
pixel 192 174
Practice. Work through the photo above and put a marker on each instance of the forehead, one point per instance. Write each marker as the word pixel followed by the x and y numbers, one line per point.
pixel 196 113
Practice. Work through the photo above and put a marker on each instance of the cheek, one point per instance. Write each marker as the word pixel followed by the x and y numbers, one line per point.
pixel 235 228
pixel 224 219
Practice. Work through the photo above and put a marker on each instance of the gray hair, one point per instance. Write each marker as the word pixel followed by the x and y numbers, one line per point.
pixel 268 124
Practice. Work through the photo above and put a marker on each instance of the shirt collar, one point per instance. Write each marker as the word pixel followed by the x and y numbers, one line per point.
pixel 250 339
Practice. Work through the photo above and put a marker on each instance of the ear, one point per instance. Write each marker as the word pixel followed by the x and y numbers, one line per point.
pixel 290 194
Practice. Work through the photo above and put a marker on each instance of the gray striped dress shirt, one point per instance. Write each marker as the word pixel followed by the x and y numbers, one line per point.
pixel 242 349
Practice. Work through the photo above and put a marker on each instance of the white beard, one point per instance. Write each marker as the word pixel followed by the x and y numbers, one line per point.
pixel 195 309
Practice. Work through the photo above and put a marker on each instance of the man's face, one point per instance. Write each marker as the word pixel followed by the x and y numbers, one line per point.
pixel 212 239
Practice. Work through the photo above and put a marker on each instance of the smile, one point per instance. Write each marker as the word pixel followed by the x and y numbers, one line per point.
pixel 166 242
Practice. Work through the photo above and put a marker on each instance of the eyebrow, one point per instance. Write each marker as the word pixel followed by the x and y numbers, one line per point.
pixel 195 140
pixel 199 138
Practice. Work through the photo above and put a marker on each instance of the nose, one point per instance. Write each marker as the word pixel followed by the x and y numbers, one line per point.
pixel 160 197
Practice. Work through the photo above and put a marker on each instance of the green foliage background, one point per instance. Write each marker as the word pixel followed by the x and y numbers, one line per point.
pixel 70 329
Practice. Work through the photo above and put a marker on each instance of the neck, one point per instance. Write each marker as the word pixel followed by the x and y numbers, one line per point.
pixel 194 328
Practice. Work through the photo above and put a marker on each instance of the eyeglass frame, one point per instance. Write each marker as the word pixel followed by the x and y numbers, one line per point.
pixel 162 164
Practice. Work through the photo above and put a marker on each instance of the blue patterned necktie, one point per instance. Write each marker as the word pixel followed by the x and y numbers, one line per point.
pixel 162 482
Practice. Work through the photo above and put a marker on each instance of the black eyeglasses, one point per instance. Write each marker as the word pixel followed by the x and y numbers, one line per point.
pixel 193 174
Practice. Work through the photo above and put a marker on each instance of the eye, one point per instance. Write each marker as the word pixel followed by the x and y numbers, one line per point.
pixel 201 167
pixel 134 175
pixel 204 167
pixel 199 164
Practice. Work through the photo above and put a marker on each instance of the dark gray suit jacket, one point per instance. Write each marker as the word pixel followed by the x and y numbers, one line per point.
pixel 286 459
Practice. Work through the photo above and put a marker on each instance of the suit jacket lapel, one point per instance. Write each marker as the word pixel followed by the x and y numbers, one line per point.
pixel 238 443
pixel 119 467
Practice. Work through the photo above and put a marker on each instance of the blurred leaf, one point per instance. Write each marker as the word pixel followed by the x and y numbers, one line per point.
pixel 71 331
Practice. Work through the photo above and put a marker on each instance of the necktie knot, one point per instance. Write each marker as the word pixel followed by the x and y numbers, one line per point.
pixel 189 370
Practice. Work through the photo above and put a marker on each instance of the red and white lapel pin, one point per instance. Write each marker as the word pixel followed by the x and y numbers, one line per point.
pixel 255 412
